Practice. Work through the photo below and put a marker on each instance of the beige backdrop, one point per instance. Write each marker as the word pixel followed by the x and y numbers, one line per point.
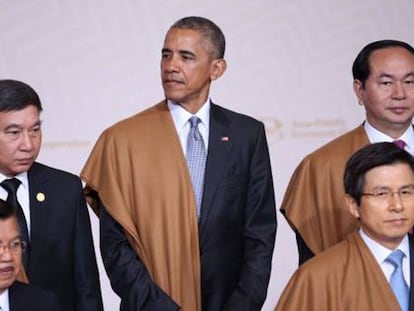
pixel 94 62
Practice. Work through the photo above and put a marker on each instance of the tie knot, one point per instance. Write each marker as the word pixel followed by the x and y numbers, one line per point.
pixel 399 143
pixel 395 258
pixel 194 121
pixel 11 185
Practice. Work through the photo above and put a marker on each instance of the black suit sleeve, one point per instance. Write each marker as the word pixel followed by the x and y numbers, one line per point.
pixel 258 234
pixel 129 277
pixel 88 289
pixel 304 251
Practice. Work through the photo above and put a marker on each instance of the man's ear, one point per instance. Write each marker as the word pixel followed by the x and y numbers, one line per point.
pixel 352 206
pixel 359 91
pixel 218 67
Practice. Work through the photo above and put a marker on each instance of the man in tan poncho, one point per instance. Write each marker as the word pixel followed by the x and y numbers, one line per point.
pixel 164 247
pixel 313 203
pixel 358 273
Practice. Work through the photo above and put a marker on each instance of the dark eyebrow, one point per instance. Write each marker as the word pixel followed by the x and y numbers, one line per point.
pixel 17 126
pixel 187 53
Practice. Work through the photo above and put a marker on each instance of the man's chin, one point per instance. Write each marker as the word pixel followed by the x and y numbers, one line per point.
pixel 21 168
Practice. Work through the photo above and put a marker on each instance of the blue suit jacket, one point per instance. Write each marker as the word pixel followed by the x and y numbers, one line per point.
pixel 62 256
pixel 237 226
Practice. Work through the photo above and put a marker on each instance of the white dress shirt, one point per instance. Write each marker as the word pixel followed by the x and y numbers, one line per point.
pixel 376 136
pixel 4 300
pixel 180 117
pixel 381 253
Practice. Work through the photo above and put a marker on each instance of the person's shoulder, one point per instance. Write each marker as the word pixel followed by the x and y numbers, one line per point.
pixel 142 118
pixel 27 287
pixel 329 261
pixel 340 147
pixel 64 179
pixel 53 171
pixel 29 293
pixel 239 120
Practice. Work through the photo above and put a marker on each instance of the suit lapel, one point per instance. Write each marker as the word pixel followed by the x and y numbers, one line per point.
pixel 38 196
pixel 219 146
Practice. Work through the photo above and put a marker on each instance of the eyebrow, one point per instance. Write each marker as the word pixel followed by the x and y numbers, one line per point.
pixel 14 125
pixel 17 237
pixel 182 52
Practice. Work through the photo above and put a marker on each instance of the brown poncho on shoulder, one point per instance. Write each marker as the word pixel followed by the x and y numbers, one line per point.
pixel 138 169
pixel 314 203
pixel 345 277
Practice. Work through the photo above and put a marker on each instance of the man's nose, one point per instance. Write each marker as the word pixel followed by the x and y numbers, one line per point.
pixel 398 90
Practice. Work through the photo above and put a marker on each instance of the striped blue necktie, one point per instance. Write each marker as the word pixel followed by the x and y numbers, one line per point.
pixel 196 160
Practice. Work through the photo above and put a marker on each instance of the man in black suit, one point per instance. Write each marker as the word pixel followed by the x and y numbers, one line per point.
pixel 177 233
pixel 60 256
pixel 15 295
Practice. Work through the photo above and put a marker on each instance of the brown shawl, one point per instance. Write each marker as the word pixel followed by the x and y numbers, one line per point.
pixel 314 202
pixel 138 169
pixel 345 277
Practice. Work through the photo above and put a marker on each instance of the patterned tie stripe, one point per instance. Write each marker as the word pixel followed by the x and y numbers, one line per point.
pixel 196 160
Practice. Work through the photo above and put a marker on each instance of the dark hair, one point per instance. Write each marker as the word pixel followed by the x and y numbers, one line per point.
pixel 208 29
pixel 17 95
pixel 6 211
pixel 361 68
pixel 367 158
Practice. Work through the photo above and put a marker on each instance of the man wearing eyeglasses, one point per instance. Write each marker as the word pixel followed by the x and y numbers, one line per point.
pixel 372 269
pixel 313 203
pixel 14 295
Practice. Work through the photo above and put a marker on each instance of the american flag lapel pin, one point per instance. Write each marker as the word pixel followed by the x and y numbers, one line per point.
pixel 225 138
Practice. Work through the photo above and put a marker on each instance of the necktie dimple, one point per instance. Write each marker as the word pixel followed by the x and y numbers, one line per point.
pixel 196 160
pixel 400 143
pixel 11 186
pixel 397 281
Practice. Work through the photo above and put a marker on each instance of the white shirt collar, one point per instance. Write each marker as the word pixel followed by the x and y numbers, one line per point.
pixel 376 136
pixel 381 252
pixel 22 177
pixel 180 117
pixel 4 300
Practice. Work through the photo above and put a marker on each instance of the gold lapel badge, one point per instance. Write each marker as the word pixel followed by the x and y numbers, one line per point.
pixel 40 197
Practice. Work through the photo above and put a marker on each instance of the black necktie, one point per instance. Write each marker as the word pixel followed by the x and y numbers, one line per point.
pixel 11 186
